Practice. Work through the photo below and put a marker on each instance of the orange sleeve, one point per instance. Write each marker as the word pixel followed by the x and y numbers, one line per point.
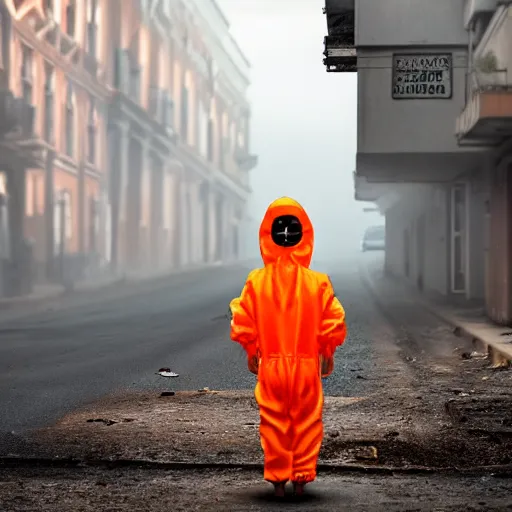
pixel 243 326
pixel 333 329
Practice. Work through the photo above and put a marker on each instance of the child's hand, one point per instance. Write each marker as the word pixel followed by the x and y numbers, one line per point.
pixel 327 366
pixel 253 364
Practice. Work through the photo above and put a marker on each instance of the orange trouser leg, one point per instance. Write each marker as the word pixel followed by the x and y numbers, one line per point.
pixel 272 397
pixel 306 419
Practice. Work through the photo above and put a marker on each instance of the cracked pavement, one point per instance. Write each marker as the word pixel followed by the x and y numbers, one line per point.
pixel 401 396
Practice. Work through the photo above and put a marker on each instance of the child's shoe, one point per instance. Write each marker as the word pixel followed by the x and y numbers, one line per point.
pixel 298 488
pixel 279 489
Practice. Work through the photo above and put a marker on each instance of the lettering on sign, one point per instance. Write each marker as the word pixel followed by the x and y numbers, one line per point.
pixel 419 76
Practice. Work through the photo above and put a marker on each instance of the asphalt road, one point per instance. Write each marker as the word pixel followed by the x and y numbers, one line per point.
pixel 52 362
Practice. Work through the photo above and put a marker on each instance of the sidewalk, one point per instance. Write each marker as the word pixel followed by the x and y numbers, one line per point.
pixel 53 294
pixel 46 292
pixel 467 321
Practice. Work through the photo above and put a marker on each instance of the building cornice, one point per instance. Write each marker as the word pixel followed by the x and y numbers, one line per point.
pixel 214 30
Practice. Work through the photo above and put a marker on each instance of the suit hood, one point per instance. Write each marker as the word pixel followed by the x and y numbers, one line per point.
pixel 271 252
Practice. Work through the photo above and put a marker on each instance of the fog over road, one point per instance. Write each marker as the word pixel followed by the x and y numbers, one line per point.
pixel 52 362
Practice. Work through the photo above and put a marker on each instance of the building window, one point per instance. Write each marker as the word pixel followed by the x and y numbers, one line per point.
pixel 121 63
pixel 91 133
pixel 48 8
pixel 62 221
pixel 29 196
pixel 26 74
pixel 68 217
pixel 232 137
pixel 167 110
pixel 94 224
pixel 48 103
pixel 155 97
pixel 70 121
pixel 71 18
pixel 210 140
pixel 135 69
pixel 184 114
pixel 92 28
pixel 222 143
pixel 3 24
pixel 203 130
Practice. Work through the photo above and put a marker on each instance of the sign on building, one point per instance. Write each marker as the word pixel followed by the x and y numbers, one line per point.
pixel 422 76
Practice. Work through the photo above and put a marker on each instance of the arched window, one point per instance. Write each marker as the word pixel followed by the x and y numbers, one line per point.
pixel 69 124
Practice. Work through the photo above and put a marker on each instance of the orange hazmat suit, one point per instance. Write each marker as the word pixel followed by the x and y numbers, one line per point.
pixel 288 319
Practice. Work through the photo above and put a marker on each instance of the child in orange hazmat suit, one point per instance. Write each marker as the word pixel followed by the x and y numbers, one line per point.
pixel 289 322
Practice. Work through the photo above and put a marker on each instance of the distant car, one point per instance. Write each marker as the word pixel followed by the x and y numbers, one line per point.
pixel 374 239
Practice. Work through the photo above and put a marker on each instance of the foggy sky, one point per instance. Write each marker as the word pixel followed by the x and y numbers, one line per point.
pixel 304 120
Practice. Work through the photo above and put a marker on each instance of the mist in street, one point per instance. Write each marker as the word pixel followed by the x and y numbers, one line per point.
pixel 145 354
pixel 304 121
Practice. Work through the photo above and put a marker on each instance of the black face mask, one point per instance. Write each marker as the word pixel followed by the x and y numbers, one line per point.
pixel 286 231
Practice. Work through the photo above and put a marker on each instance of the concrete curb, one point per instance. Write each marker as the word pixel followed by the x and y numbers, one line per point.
pixel 484 337
pixel 32 462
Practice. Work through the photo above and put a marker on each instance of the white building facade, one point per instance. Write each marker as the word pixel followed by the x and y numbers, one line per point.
pixel 434 136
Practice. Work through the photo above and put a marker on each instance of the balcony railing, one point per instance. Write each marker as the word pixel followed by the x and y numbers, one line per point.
pixel 245 160
pixel 487 112
pixel 16 114
pixel 127 74
pixel 339 57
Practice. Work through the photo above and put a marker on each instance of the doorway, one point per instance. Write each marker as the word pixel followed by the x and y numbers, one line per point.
pixel 407 264
pixel 458 238
pixel 420 250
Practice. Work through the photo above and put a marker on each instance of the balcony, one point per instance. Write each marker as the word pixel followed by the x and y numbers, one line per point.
pixel 487 117
pixel 17 129
pixel 338 57
pixel 244 160
pixel 474 8
pixel 340 54
pixel 16 115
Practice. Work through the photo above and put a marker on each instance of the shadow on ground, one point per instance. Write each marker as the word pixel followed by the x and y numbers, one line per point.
pixel 266 495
